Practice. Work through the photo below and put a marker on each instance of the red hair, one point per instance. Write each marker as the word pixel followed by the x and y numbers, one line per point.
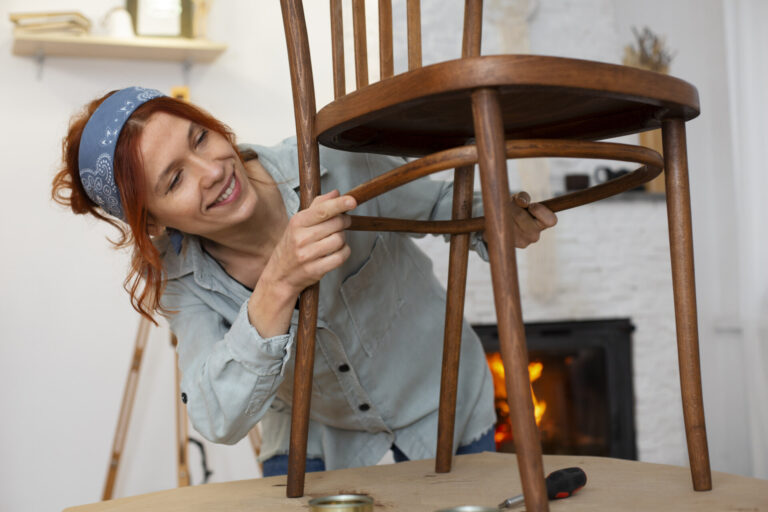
pixel 146 264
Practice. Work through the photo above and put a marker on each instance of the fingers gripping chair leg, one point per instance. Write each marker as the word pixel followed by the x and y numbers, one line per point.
pixel 489 132
pixel 684 288
pixel 463 184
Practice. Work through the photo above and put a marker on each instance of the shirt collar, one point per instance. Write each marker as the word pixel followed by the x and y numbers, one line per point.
pixel 282 163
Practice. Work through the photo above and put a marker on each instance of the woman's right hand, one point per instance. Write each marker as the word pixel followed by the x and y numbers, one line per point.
pixel 312 245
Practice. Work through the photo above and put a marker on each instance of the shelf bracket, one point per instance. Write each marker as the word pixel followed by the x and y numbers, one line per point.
pixel 40 59
pixel 186 68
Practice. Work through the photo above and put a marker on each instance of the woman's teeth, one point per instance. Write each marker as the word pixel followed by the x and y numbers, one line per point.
pixel 228 192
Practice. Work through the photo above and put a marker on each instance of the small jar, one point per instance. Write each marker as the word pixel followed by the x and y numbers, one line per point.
pixel 342 503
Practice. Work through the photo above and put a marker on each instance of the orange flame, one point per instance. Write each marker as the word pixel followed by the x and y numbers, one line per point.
pixel 539 406
pixel 497 370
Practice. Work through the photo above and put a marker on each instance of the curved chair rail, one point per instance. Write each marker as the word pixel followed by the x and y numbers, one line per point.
pixel 652 164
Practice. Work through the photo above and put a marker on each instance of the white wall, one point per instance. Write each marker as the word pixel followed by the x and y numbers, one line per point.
pixel 695 30
pixel 747 75
pixel 65 324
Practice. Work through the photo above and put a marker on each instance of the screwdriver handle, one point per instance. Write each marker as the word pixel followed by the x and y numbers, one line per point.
pixel 564 482
pixel 560 484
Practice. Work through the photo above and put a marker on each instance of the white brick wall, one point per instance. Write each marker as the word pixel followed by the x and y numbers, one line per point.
pixel 605 260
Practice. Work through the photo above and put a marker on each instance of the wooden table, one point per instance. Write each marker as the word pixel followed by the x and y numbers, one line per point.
pixel 479 479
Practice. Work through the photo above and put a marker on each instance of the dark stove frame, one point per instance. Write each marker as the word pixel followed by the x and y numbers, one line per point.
pixel 612 335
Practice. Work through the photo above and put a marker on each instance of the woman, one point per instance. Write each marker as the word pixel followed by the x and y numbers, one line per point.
pixel 220 249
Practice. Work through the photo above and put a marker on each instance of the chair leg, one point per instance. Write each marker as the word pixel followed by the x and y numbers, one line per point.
pixel 684 287
pixel 463 182
pixel 302 390
pixel 499 234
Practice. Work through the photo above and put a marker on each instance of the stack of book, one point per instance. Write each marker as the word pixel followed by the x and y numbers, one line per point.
pixel 70 23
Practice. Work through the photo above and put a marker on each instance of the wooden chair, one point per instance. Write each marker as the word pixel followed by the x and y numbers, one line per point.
pixel 484 110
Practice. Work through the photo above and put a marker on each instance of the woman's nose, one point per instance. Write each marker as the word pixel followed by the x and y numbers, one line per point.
pixel 211 171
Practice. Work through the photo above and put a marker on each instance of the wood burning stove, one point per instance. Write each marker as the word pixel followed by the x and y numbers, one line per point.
pixel 581 379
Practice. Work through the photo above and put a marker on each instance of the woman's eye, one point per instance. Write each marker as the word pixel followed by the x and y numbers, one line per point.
pixel 175 181
pixel 201 138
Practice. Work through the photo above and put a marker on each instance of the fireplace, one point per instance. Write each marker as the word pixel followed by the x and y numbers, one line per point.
pixel 581 379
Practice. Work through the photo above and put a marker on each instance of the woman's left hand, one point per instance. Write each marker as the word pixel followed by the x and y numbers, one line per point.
pixel 530 219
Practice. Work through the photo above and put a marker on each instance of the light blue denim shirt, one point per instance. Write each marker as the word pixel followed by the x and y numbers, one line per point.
pixel 379 338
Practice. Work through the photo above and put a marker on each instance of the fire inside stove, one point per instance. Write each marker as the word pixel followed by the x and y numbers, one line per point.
pixel 569 399
pixel 580 374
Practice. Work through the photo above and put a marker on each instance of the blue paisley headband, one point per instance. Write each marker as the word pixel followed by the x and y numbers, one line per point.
pixel 97 150
pixel 97 146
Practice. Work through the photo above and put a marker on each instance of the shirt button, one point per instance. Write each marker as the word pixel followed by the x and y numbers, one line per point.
pixel 344 368
pixel 364 407
pixel 184 398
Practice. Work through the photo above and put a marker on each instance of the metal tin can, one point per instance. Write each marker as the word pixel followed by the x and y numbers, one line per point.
pixel 342 503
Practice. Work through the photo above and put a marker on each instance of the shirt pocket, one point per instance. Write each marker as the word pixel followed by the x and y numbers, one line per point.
pixel 373 297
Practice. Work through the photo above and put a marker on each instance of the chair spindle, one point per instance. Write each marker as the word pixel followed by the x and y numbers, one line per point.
pixel 337 49
pixel 473 28
pixel 463 185
pixel 414 34
pixel 361 45
pixel 386 59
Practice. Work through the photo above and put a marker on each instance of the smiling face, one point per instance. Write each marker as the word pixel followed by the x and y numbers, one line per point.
pixel 195 181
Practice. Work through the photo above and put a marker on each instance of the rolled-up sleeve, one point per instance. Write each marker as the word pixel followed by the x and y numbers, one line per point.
pixel 230 374
pixel 422 199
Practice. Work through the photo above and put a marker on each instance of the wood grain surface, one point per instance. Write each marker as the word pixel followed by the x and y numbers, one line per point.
pixel 463 184
pixel 467 155
pixel 337 50
pixel 500 238
pixel 302 87
pixel 478 479
pixel 684 288
pixel 386 52
pixel 413 8
pixel 429 109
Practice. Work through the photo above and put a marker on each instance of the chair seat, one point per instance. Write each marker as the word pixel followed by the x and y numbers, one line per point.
pixel 429 109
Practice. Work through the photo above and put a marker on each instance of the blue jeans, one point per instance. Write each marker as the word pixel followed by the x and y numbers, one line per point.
pixel 278 464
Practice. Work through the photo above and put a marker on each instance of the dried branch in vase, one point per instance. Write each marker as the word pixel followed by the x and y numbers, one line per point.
pixel 648 52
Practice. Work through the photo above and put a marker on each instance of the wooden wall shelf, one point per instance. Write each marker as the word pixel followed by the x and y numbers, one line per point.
pixel 151 48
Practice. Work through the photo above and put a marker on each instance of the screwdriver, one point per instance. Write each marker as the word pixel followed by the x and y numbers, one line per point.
pixel 560 484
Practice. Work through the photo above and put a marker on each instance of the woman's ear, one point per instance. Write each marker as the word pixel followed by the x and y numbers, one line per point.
pixel 153 228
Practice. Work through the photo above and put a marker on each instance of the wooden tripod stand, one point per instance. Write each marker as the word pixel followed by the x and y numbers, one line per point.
pixel 129 396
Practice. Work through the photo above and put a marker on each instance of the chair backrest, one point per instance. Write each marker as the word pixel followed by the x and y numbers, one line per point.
pixel 470 46
pixel 300 64
pixel 296 36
